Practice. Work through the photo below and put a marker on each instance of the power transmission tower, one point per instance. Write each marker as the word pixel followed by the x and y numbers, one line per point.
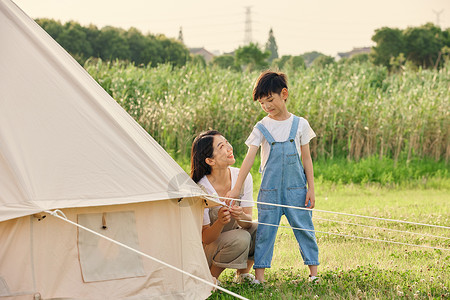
pixel 438 14
pixel 248 25
pixel 180 35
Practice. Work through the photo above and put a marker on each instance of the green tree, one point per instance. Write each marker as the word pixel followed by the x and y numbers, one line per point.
pixel 251 57
pixel 152 52
pixel 309 57
pixel 322 61
pixel 358 58
pixel 198 60
pixel 173 51
pixel 423 45
pixel 224 61
pixel 137 43
pixel 52 27
pixel 92 34
pixel 113 44
pixel 74 40
pixel 279 63
pixel 289 62
pixel 390 43
pixel 297 62
pixel 271 46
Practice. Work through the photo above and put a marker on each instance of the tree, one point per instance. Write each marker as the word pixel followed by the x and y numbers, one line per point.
pixel 92 34
pixel 250 57
pixel 358 58
pixel 289 62
pixel 198 60
pixel 152 52
pixel 52 27
pixel 309 57
pixel 113 44
pixel 296 62
pixel 73 39
pixel 271 46
pixel 172 51
pixel 390 43
pixel 137 43
pixel 279 63
pixel 423 45
pixel 322 61
pixel 224 62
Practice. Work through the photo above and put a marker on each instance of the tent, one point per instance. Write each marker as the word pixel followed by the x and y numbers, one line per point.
pixel 66 144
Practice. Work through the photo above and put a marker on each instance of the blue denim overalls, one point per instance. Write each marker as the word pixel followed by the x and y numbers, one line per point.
pixel 283 182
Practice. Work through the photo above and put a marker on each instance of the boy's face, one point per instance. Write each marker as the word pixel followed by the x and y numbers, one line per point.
pixel 275 104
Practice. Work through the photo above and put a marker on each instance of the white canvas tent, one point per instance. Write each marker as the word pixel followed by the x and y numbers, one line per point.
pixel 66 144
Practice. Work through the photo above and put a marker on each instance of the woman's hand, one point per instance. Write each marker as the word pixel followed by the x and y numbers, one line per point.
pixel 224 215
pixel 237 212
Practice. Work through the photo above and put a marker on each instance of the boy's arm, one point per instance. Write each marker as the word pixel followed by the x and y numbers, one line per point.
pixel 243 172
pixel 309 172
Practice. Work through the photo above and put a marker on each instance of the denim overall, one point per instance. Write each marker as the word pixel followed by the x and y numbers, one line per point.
pixel 283 182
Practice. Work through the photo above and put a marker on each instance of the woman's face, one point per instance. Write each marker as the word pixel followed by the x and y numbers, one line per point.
pixel 223 152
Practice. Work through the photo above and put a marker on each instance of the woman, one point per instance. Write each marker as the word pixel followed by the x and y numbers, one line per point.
pixel 227 234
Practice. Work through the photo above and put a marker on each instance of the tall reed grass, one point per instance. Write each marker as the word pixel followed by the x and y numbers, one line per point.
pixel 356 110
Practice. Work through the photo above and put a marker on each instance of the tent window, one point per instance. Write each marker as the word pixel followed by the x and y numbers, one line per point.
pixel 101 259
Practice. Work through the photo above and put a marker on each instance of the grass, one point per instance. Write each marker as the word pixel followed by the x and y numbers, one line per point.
pixel 356 110
pixel 382 150
pixel 358 269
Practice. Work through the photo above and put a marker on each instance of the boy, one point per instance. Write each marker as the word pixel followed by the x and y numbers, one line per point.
pixel 283 138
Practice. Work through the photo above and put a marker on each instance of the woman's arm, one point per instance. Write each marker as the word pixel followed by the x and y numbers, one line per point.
pixel 210 233
pixel 309 172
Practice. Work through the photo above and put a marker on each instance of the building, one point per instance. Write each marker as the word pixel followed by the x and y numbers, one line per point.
pixel 354 52
pixel 208 56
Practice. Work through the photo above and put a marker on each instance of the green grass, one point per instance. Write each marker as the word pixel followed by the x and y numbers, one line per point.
pixel 354 268
pixel 356 110
pixel 358 269
pixel 381 150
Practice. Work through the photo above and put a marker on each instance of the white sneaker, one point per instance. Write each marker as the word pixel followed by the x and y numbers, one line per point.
pixel 216 282
pixel 313 279
pixel 245 277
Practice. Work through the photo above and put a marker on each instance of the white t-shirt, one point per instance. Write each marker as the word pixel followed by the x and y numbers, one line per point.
pixel 280 132
pixel 247 195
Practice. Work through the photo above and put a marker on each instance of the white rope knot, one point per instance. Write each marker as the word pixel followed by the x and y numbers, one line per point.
pixel 56 213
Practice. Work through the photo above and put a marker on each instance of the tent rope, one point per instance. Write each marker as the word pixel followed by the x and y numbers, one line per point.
pixel 384 228
pixel 59 214
pixel 214 198
pixel 346 235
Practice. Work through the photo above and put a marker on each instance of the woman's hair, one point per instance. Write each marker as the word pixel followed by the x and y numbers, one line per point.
pixel 202 148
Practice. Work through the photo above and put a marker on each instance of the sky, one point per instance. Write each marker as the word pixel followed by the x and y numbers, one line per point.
pixel 299 26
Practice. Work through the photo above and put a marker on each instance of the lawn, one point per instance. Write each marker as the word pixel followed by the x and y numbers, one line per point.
pixel 353 268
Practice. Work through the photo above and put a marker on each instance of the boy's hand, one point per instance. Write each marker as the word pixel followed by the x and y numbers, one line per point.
pixel 231 194
pixel 224 216
pixel 311 199
pixel 236 212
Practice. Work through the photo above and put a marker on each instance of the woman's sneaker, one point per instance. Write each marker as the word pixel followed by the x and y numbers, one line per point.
pixel 245 277
pixel 313 279
pixel 216 282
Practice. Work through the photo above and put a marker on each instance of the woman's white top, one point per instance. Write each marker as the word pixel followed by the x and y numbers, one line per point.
pixel 246 195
